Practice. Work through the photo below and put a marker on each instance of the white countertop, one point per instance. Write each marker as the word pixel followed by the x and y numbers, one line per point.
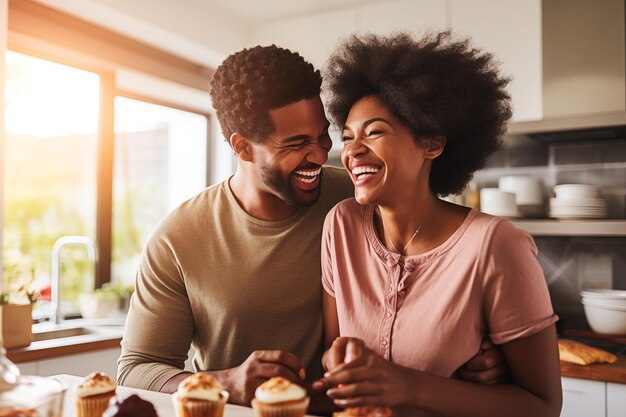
pixel 162 402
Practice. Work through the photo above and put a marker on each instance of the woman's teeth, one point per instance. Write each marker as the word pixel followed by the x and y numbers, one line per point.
pixel 364 170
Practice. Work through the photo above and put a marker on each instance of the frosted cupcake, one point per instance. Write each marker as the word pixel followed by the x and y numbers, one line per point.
pixel 93 394
pixel 366 411
pixel 278 397
pixel 200 395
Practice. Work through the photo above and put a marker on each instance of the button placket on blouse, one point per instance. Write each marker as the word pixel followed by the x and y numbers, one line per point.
pixel 395 272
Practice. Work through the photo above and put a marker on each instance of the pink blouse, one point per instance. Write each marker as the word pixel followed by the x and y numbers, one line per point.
pixel 431 311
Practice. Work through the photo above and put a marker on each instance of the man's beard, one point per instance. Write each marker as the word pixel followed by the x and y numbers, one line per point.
pixel 275 180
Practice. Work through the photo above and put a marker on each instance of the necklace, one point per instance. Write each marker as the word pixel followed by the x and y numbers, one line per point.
pixel 415 233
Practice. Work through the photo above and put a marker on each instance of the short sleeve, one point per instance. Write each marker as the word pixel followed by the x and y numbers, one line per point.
pixel 516 300
pixel 327 251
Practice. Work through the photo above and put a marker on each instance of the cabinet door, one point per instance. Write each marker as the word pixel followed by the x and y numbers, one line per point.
pixel 27 368
pixel 615 400
pixel 583 398
pixel 82 363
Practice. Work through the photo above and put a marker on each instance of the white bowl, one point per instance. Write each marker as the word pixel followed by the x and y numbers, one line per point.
pixel 610 320
pixel 609 298
pixel 575 191
pixel 527 190
pixel 498 203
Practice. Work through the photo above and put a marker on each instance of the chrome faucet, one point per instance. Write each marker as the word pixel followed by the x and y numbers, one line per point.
pixel 55 296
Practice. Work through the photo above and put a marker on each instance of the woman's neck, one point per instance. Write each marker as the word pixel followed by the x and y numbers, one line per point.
pixel 402 225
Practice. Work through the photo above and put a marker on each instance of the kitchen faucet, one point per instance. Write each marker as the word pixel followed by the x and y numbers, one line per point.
pixel 55 297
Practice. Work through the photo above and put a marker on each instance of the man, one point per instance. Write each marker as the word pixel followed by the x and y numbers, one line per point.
pixel 236 269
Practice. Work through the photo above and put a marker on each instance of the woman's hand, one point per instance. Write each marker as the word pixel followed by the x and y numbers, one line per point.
pixel 357 376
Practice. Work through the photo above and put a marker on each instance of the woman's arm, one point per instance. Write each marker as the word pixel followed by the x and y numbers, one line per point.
pixel 535 391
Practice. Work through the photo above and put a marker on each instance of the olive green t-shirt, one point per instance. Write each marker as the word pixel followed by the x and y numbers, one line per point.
pixel 214 276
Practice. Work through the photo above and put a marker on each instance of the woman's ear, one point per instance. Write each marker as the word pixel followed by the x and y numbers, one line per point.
pixel 434 146
pixel 242 147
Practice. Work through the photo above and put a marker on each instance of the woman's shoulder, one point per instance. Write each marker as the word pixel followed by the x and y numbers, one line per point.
pixel 498 233
pixel 347 208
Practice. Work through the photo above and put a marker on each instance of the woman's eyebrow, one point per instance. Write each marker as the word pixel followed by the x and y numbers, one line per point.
pixel 370 121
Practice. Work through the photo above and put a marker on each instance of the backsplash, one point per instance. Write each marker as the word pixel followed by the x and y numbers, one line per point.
pixel 572 263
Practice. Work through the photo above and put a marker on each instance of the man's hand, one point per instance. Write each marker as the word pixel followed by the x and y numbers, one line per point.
pixel 488 366
pixel 261 365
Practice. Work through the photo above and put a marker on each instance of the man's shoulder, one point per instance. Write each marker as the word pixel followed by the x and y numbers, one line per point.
pixel 337 185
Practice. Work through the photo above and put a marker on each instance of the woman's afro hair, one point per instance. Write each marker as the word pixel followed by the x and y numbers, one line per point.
pixel 437 86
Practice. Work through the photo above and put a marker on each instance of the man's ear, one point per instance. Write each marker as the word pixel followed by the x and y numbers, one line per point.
pixel 242 147
pixel 434 146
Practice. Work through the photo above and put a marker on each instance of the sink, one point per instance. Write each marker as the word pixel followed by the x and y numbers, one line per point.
pixel 59 333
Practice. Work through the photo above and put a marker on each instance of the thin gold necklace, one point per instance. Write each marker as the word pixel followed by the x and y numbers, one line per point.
pixel 416 231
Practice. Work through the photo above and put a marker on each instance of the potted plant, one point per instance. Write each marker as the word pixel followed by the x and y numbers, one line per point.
pixel 17 307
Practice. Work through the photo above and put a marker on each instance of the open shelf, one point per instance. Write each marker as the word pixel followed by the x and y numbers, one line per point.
pixel 551 227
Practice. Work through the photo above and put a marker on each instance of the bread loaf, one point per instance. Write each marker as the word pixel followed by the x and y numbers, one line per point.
pixel 581 354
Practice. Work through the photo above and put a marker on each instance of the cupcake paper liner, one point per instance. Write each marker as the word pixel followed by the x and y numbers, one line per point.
pixel 291 409
pixel 199 408
pixel 93 406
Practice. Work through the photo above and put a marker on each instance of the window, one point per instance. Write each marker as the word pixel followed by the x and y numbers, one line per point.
pixel 160 161
pixel 51 118
pixel 53 181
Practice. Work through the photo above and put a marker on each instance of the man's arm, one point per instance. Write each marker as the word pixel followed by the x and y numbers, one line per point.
pixel 159 326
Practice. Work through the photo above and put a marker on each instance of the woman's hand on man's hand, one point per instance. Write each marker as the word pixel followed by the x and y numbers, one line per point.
pixel 357 376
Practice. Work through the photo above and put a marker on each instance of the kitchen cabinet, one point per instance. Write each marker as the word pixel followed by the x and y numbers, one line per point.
pixel 79 364
pixel 615 400
pixel 583 398
pixel 28 368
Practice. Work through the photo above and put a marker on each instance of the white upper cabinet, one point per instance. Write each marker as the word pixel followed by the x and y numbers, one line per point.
pixel 511 30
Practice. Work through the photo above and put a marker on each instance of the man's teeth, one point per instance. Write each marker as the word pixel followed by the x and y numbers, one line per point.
pixel 308 177
pixel 365 170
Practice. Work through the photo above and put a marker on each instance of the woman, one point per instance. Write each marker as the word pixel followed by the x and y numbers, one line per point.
pixel 413 283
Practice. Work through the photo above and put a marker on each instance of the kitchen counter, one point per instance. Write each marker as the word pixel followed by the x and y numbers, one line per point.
pixel 85 336
pixel 69 338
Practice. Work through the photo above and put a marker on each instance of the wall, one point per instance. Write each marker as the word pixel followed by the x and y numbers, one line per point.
pixel 510 29
pixel 193 32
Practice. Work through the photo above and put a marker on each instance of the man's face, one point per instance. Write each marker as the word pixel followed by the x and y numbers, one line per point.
pixel 289 160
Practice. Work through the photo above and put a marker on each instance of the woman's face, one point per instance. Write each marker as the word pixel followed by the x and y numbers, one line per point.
pixel 385 162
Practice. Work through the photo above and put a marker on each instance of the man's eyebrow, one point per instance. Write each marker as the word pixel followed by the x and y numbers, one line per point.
pixel 370 121
pixel 296 138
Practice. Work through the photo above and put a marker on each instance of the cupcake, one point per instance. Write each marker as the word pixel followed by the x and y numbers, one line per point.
pixel 278 397
pixel 93 394
pixel 200 395
pixel 366 411
pixel 131 406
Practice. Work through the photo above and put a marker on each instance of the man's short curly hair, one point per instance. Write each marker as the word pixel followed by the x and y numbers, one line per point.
pixel 253 81
pixel 437 86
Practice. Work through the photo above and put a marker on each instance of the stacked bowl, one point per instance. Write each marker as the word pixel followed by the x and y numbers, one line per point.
pixel 528 194
pixel 605 311
pixel 577 201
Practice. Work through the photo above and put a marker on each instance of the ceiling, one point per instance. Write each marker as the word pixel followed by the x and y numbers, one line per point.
pixel 257 11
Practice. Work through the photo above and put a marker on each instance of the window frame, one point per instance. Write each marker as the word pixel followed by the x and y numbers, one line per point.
pixel 168 67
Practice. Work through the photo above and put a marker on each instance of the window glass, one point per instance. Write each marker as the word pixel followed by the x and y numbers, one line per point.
pixel 160 161
pixel 51 120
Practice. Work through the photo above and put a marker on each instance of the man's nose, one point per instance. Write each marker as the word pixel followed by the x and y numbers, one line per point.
pixel 318 154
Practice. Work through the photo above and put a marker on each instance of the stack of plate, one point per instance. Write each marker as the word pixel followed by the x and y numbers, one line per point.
pixel 528 194
pixel 577 201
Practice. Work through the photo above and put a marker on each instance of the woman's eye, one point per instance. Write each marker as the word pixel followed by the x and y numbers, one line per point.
pixel 374 132
pixel 346 138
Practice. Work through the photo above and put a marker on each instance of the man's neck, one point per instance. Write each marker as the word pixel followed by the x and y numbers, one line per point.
pixel 258 203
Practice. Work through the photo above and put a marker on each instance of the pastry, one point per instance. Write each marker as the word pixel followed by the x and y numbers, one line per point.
pixel 93 394
pixel 132 406
pixel 366 411
pixel 581 354
pixel 278 397
pixel 200 395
